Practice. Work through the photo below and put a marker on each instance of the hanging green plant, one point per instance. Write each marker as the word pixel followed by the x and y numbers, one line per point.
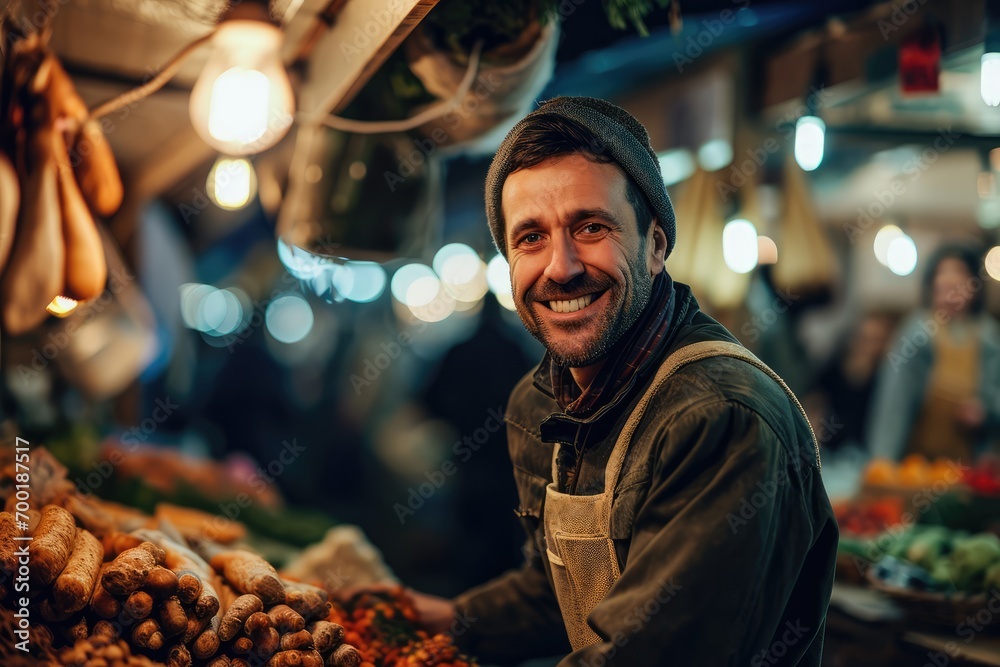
pixel 457 25
pixel 622 13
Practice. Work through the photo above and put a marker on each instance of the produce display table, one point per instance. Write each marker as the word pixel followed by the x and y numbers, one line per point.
pixel 865 628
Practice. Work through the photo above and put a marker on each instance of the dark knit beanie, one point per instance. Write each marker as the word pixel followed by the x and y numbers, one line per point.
pixel 619 135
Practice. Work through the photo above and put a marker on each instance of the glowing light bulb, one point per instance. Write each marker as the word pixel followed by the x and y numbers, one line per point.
pixel 810 137
pixel 232 183
pixel 901 255
pixel 993 263
pixel 242 102
pixel 739 245
pixel 62 306
pixel 989 78
pixel 883 238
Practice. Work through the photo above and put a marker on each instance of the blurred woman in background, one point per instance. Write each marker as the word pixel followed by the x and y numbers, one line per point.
pixel 938 391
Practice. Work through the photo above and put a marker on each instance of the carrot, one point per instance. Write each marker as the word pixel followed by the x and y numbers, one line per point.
pixel 128 571
pixel 173 620
pixel 344 655
pixel 75 585
pixel 191 569
pixel 188 586
pixel 147 635
pixel 106 629
pixel 36 270
pixel 96 170
pixel 162 583
pixel 51 613
pixel 139 605
pixel 116 542
pixel 249 573
pixel 86 268
pixel 326 635
pixel 224 661
pixel 10 202
pixel 52 545
pixel 242 645
pixel 237 615
pixel 103 603
pixel 207 643
pixel 8 543
pixel 87 512
pixel 308 601
pixel 194 627
pixel 207 603
pixel 265 643
pixel 285 619
pixel 76 630
pixel 179 656
pixel 34 518
pixel 256 622
pixel 296 658
pixel 297 641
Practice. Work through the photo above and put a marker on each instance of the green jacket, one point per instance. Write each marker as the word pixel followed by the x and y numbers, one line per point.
pixel 724 533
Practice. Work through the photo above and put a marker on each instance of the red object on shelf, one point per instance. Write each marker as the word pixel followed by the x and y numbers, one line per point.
pixel 920 61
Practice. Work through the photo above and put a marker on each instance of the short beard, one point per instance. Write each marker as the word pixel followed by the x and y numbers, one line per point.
pixel 624 311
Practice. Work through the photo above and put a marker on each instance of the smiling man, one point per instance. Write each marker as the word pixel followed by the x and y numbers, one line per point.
pixel 669 482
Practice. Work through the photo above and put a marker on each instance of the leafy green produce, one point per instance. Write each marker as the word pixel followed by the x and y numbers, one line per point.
pixel 927 547
pixel 992 580
pixel 972 557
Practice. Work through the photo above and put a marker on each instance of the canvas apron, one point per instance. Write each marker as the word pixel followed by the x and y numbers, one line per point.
pixel 578 541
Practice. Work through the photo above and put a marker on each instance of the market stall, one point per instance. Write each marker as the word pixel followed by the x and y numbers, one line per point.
pixel 259 334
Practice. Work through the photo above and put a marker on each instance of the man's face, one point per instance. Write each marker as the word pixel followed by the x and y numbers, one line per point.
pixel 580 272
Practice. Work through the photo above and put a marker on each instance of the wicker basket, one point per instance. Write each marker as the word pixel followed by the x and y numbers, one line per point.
pixel 939 609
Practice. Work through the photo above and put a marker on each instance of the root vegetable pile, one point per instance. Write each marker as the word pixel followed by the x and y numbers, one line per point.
pixel 105 592
pixel 144 598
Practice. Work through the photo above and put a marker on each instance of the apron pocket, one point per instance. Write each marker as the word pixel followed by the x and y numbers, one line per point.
pixel 582 575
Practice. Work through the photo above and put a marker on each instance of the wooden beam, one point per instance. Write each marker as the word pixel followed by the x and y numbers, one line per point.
pixel 363 36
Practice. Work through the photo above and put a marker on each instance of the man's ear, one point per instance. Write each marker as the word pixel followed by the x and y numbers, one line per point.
pixel 656 247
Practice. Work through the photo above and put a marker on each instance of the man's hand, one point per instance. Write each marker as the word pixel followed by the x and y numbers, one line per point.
pixel 435 614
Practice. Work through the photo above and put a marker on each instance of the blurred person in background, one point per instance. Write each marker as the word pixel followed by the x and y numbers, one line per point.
pixel 938 391
pixel 839 403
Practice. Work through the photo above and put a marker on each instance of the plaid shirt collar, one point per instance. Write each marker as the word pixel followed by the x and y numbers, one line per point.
pixel 624 361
